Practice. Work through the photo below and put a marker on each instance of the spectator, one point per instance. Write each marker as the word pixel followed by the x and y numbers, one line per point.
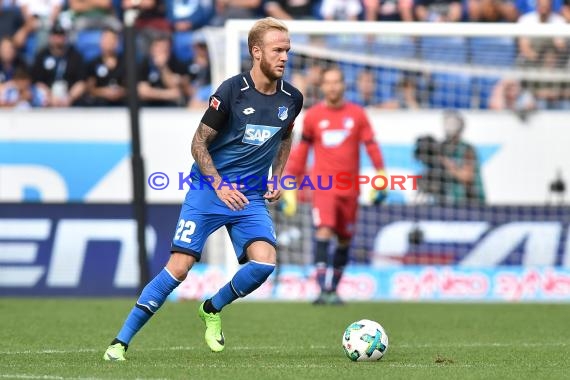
pixel 59 71
pixel 240 9
pixel 196 80
pixel 92 14
pixel 492 11
pixel 341 10
pixel 20 93
pixel 550 95
pixel 366 92
pixel 106 74
pixel 527 6
pixel 151 22
pixel 160 76
pixel 369 94
pixel 198 74
pixel 532 50
pixel 10 17
pixel 39 16
pixel 566 10
pixel 9 60
pixel 389 10
pixel 309 83
pixel 290 9
pixel 508 94
pixel 186 15
pixel 438 10
pixel 462 175
pixel 199 69
pixel 407 96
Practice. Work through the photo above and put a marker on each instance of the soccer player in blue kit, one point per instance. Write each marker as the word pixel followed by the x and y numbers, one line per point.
pixel 245 131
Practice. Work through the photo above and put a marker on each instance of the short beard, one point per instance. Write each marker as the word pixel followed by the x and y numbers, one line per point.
pixel 337 99
pixel 266 70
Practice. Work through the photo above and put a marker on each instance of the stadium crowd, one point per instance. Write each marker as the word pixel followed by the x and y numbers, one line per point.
pixel 58 53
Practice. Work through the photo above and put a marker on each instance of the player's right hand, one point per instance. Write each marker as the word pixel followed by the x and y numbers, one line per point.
pixel 289 202
pixel 232 197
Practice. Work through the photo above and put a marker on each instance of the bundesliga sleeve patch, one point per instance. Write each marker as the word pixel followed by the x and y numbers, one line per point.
pixel 215 103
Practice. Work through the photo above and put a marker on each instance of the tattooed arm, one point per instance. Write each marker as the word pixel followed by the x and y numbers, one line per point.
pixel 202 139
pixel 282 156
pixel 204 136
pixel 278 166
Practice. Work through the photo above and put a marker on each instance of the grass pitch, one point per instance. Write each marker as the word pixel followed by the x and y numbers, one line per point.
pixel 66 338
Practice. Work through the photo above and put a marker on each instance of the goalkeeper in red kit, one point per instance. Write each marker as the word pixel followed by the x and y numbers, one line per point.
pixel 335 129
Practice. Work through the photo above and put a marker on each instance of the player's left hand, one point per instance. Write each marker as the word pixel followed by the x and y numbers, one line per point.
pixel 379 196
pixel 272 194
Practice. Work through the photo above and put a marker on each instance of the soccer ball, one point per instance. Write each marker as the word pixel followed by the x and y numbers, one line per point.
pixel 365 340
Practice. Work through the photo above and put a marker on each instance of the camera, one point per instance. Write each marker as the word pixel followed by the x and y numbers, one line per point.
pixel 429 151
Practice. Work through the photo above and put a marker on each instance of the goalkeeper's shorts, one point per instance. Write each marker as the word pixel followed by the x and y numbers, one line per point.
pixel 336 212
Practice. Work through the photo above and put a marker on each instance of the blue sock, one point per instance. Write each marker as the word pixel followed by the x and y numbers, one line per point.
pixel 151 299
pixel 245 281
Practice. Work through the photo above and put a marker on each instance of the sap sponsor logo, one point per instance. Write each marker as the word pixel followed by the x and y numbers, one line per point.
pixel 541 243
pixel 20 249
pixel 258 134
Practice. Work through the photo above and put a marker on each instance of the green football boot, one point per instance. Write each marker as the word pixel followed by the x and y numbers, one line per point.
pixel 115 352
pixel 214 335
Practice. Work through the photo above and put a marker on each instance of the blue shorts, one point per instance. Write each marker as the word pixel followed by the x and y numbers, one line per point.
pixel 203 212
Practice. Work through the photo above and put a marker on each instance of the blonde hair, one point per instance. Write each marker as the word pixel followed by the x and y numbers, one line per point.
pixel 260 28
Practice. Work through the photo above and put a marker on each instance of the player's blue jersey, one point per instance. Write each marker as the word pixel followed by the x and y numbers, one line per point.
pixel 256 123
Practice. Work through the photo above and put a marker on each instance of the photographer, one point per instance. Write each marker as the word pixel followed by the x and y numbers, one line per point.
pixel 463 184
pixel 452 175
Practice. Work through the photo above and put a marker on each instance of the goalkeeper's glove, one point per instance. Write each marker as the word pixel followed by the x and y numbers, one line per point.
pixel 289 202
pixel 379 196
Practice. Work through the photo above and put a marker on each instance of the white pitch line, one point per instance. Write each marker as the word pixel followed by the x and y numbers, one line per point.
pixel 47 351
pixel 175 348
pixel 25 376
pixel 280 348
pixel 50 377
pixel 437 365
pixel 482 344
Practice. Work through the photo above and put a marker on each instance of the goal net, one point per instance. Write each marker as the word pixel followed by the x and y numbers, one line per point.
pixel 426 65
pixel 476 69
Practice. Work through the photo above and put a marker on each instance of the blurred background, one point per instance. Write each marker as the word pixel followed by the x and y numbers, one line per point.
pixel 67 220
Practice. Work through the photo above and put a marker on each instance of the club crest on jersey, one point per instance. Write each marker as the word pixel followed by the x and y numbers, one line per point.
pixel 258 134
pixel 282 112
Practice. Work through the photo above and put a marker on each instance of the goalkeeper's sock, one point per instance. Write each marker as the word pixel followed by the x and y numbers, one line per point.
pixel 321 258
pixel 151 299
pixel 339 263
pixel 245 281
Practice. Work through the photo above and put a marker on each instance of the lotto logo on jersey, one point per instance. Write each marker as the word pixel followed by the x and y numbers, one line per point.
pixel 258 134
